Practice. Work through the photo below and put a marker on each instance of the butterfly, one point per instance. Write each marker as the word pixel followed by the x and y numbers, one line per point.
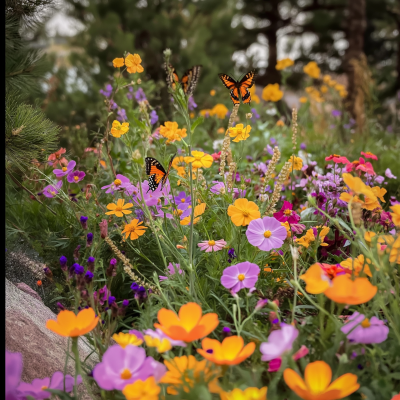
pixel 188 81
pixel 241 86
pixel 157 172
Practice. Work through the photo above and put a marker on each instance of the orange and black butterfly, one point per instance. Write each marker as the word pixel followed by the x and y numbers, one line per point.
pixel 157 172
pixel 188 81
pixel 241 86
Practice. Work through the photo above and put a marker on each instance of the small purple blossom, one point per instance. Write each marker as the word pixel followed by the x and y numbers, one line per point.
pixel 336 113
pixel 107 92
pixel 303 146
pixel 239 276
pixel 111 300
pixel 153 117
pixel 231 255
pixel 389 174
pixel 59 173
pixel 89 276
pixel 52 190
pixel 140 96
pixel 77 269
pixel 89 239
pixel 63 263
pixel 75 177
pixel 83 220
pixel 121 115
pixel 191 104
pixel 125 303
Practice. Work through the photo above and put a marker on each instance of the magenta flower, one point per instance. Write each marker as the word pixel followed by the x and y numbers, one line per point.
pixel 75 177
pixel 13 375
pixel 172 270
pixel 122 366
pixel 159 334
pixel 52 190
pixel 266 233
pixel 212 245
pixel 360 329
pixel 218 188
pixel 182 201
pixel 287 214
pixel 37 387
pixel 279 342
pixel 65 170
pixel 239 276
pixel 121 182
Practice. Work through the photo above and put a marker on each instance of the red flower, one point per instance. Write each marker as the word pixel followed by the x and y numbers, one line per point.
pixel 368 154
pixel 366 167
pixel 56 158
pixel 337 159
pixel 216 156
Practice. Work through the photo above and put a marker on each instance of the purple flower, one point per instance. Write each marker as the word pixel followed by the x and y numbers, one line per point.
pixel 153 117
pixel 121 182
pixel 172 269
pixel 104 292
pixel 273 141
pixel 121 115
pixel 191 104
pixel 266 233
pixel 125 303
pixel 89 276
pixel 75 177
pixel 63 263
pixel 269 149
pixel 239 276
pixel 256 115
pixel 113 105
pixel 389 174
pixel 303 146
pixel 139 214
pixel 182 201
pixel 77 269
pixel 239 193
pixel 140 96
pixel 111 300
pixel 59 173
pixel 122 366
pixel 286 213
pixel 336 113
pixel 360 329
pixel 37 387
pixel 279 342
pixel 218 188
pixel 159 334
pixel 83 221
pixel 89 239
pixel 13 375
pixel 107 92
pixel 231 255
pixel 52 190
pixel 90 263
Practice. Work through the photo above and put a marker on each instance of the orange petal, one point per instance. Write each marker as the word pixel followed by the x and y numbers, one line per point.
pixel 231 347
pixel 247 351
pixel 318 376
pixel 345 385
pixel 127 205
pixel 190 315
pixel 84 318
pixel 210 322
pixel 54 327
pixel 296 383
pixel 313 277
pixel 167 317
pixel 111 206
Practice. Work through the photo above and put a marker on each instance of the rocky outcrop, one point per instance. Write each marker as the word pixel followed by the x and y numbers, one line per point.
pixel 28 290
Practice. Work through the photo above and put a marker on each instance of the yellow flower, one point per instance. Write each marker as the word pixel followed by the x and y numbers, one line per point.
pixel 170 131
pixel 123 339
pixel 297 163
pixel 312 69
pixel 221 130
pixel 118 129
pixel 199 160
pixel 212 92
pixel 271 92
pixel 206 112
pixel 303 99
pixel 254 97
pixel 368 236
pixel 250 393
pixel 327 78
pixel 119 209
pixel 357 265
pixel 142 390
pixel 343 93
pixel 242 212
pixel 198 210
pixel 309 237
pixel 239 132
pixel 134 230
pixel 395 214
pixel 287 227
pixel 339 87
pixel 118 62
pixel 285 63
pixel 280 123
pixel 161 345
pixel 219 110
pixel 324 88
pixel 133 63
pixel 357 186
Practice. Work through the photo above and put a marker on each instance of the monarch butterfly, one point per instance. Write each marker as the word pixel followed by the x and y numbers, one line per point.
pixel 157 172
pixel 241 86
pixel 188 81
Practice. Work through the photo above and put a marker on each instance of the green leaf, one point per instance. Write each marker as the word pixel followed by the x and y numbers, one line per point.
pixel 199 120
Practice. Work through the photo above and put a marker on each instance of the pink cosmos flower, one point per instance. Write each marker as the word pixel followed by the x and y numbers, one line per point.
pixel 212 245
pixel 337 159
pixel 172 269
pixel 239 276
pixel 368 154
pixel 266 233
pixel 52 190
pixel 366 167
pixel 75 177
pixel 360 329
pixel 286 213
pixel 389 174
pixel 121 182
pixel 279 342
pixel 64 170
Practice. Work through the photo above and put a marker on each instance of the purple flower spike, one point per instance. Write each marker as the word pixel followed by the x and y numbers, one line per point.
pixel 140 96
pixel 52 190
pixel 239 276
pixel 75 177
pixel 153 117
pixel 59 173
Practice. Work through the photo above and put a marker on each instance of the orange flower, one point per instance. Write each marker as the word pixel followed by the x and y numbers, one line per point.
pixel 316 281
pixel 346 291
pixel 271 92
pixel 198 210
pixel 56 158
pixel 184 372
pixel 170 131
pixel 280 123
pixel 118 129
pixel 133 63
pixel 190 325
pixel 230 352
pixel 118 62
pixel 119 209
pixel 70 325
pixel 250 393
pixel 312 70
pixel 368 236
pixel 134 230
pixel 358 265
pixel 39 283
pixel 357 186
pixel 142 390
pixel 212 92
pixel 317 382
pixel 242 212
pixel 395 214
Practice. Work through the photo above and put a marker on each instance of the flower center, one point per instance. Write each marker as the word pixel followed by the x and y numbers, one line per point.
pixel 126 374
pixel 245 213
pixel 183 200
pixel 288 212
pixel 53 192
pixel 118 209
pixel 241 277
pixel 267 234
pixel 44 387
pixel 209 351
pixel 117 182
pixel 76 178
pixel 365 323
pixel 64 169
pixel 211 242
pixel 58 156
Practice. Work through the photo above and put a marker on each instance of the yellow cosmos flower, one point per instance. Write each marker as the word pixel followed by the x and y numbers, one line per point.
pixel 297 163
pixel 142 390
pixel 118 62
pixel 212 92
pixel 395 214
pixel 123 339
pixel 134 230
pixel 317 382
pixel 161 345
pixel 133 63
pixel 198 210
pixel 312 70
pixel 199 160
pixel 309 237
pixel 303 99
pixel 119 209
pixel 118 129
pixel 250 393
pixel 271 92
pixel 358 265
pixel 242 212
pixel 239 132
pixel 219 110
pixel 285 63
pixel 170 131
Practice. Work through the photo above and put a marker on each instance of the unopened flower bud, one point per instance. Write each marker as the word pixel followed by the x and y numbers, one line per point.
pixel 103 228
pixel 76 252
pixel 83 221
pixel 63 263
pixel 249 115
pixel 90 264
pixel 89 239
pixel 88 277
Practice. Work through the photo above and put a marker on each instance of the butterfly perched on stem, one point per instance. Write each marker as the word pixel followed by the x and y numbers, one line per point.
pixel 239 87
pixel 188 81
pixel 157 172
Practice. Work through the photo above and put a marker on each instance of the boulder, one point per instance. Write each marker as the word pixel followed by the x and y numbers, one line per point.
pixel 28 290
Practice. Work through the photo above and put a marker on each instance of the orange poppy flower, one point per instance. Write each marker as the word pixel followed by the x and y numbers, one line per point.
pixel 189 325
pixel 230 352
pixel 250 393
pixel 242 212
pixel 317 385
pixel 346 291
pixel 119 209
pixel 118 62
pixel 316 281
pixel 70 325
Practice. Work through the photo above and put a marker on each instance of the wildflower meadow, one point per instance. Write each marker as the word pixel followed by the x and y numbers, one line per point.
pixel 243 251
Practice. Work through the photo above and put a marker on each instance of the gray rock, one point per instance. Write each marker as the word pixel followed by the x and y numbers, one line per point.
pixel 25 288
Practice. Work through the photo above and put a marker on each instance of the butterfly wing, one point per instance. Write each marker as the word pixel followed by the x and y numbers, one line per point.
pixel 172 76
pixel 245 83
pixel 155 171
pixel 228 81
pixel 235 95
pixel 190 79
